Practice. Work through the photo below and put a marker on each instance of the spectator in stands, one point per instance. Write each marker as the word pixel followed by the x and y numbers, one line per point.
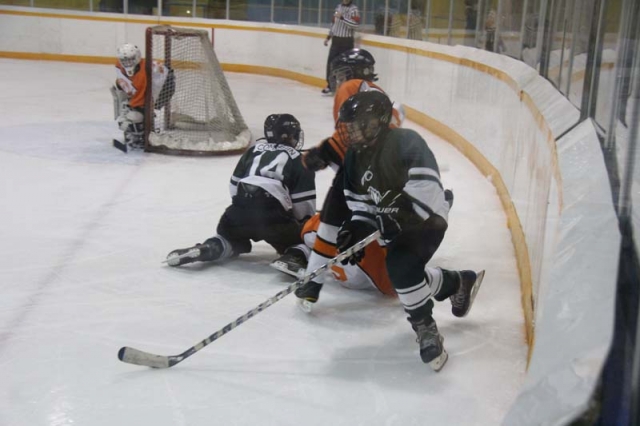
pixel 378 20
pixel 415 23
pixel 470 14
pixel 490 30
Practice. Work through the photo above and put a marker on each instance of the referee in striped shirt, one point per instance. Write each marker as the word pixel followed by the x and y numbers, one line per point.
pixel 346 20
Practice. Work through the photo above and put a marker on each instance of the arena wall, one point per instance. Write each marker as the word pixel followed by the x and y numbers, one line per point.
pixel 519 131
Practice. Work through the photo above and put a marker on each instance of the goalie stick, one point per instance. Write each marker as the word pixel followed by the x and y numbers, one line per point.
pixel 138 357
pixel 119 145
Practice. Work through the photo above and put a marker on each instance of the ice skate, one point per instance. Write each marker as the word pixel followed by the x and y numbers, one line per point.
pixel 197 253
pixel 307 295
pixel 293 262
pixel 432 351
pixel 462 300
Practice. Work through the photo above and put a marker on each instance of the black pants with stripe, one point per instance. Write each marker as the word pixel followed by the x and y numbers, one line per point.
pixel 409 253
pixel 259 219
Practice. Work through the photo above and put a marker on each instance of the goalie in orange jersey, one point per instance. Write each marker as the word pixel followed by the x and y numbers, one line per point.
pixel 129 92
pixel 351 72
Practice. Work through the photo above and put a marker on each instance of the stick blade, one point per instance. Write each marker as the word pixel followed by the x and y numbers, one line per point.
pixel 119 145
pixel 138 357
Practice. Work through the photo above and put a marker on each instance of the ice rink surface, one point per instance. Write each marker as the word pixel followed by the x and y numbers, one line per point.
pixel 83 231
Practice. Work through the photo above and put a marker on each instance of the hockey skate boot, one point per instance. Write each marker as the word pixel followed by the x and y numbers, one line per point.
pixel 198 253
pixel 307 295
pixel 462 300
pixel 293 262
pixel 430 340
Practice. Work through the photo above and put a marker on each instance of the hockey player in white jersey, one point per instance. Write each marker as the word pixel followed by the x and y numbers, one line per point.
pixel 273 194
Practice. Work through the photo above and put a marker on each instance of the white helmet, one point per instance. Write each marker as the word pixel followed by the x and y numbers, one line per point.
pixel 129 57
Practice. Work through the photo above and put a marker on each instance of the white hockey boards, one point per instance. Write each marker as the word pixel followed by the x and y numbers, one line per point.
pixel 194 110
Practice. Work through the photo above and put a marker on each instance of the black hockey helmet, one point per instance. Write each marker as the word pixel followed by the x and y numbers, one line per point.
pixel 363 117
pixel 354 63
pixel 284 128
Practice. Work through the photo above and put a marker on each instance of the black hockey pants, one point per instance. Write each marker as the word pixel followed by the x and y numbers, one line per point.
pixel 409 253
pixel 334 208
pixel 258 219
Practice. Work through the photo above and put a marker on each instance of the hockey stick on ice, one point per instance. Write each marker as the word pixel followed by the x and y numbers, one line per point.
pixel 138 357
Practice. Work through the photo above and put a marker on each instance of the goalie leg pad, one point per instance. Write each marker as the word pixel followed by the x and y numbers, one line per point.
pixel 132 123
pixel 129 116
pixel 120 102
pixel 134 135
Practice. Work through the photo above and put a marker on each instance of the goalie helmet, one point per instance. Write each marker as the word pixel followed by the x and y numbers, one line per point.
pixel 285 129
pixel 364 117
pixel 129 57
pixel 354 63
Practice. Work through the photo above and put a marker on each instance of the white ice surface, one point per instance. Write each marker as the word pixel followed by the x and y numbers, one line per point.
pixel 84 227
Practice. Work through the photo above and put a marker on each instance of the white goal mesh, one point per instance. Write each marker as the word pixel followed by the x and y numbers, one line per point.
pixel 194 110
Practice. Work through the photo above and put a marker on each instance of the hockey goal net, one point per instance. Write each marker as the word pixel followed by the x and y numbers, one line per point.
pixel 194 112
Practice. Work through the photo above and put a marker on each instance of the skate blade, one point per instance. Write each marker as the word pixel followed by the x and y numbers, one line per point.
pixel 474 291
pixel 440 361
pixel 282 267
pixel 305 306
pixel 175 260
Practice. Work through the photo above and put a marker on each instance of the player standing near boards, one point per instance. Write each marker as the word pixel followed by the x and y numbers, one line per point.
pixel 392 184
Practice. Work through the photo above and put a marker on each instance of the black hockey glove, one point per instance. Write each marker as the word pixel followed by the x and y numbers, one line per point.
pixel 313 159
pixel 350 233
pixel 395 216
